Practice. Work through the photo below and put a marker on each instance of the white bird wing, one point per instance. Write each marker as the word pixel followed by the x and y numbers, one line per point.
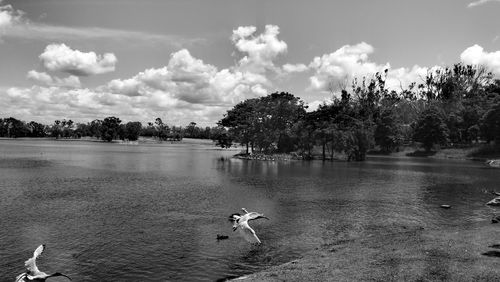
pixel 30 264
pixel 248 233
pixel 254 215
pixel 21 277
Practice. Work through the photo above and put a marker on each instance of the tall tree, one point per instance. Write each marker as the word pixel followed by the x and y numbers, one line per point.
pixel 490 129
pixel 388 133
pixel 431 128
pixel 110 128
pixel 132 130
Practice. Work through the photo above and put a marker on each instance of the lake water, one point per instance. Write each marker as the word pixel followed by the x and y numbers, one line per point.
pixel 151 212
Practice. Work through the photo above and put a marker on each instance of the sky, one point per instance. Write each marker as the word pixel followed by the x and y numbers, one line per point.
pixel 192 60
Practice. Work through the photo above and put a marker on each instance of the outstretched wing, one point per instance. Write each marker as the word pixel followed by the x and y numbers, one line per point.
pixel 21 277
pixel 254 215
pixel 30 264
pixel 248 234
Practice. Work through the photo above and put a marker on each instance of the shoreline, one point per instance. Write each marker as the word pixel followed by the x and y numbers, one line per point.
pixel 449 254
pixel 457 154
pixel 407 152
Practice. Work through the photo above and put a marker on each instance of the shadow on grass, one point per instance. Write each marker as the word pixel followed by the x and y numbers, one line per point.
pixel 419 153
pixel 486 152
pixel 491 254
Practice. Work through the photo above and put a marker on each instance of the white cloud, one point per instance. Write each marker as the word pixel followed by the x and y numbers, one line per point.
pixel 8 17
pixel 344 64
pixel 398 79
pixel 45 79
pixel 289 68
pixel 480 2
pixel 59 57
pixel 46 104
pixel 191 80
pixel 475 55
pixel 185 89
pixel 339 68
pixel 314 105
pixel 259 51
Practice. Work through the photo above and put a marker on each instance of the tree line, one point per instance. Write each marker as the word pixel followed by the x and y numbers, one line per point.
pixel 453 106
pixel 108 129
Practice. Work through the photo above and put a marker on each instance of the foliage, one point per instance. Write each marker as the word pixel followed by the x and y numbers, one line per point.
pixel 431 128
pixel 490 129
pixel 265 123
pixel 110 128
pixel 132 130
pixel 388 133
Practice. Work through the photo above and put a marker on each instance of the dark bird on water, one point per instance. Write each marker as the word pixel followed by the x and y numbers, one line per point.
pixel 222 237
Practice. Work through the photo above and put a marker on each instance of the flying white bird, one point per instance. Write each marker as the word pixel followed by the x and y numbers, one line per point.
pixel 493 163
pixel 240 223
pixel 32 273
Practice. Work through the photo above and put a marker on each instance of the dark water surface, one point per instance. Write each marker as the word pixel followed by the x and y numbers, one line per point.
pixel 151 212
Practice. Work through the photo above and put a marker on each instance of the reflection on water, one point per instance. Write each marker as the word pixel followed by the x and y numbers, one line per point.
pixel 152 211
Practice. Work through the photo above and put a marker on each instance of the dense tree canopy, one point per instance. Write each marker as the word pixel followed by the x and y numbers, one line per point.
pixel 450 106
pixel 265 123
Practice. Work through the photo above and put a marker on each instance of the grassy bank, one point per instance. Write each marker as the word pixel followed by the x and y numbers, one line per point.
pixel 470 254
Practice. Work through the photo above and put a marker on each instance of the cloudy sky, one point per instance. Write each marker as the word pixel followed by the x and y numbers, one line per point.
pixel 192 60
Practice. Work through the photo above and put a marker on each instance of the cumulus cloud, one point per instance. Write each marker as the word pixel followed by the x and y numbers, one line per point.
pixel 289 68
pixel 347 62
pixel 400 78
pixel 480 2
pixel 59 57
pixel 46 79
pixel 46 104
pixel 185 89
pixel 259 51
pixel 190 80
pixel 475 55
pixel 352 61
pixel 9 16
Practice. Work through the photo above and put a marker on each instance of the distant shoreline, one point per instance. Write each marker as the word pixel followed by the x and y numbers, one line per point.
pixel 447 153
pixel 93 139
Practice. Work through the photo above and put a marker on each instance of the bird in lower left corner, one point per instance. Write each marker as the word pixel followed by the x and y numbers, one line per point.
pixel 32 272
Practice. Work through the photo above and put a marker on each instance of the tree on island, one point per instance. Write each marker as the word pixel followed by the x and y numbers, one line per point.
pixel 431 129
pixel 265 123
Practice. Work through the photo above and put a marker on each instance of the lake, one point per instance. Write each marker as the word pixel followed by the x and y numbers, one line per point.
pixel 151 212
